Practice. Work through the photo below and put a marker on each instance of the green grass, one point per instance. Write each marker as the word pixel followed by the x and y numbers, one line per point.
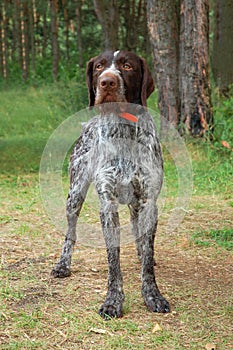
pixel 223 238
pixel 28 116
pixel 37 312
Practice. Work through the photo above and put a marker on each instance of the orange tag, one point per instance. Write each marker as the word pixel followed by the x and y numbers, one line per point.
pixel 129 116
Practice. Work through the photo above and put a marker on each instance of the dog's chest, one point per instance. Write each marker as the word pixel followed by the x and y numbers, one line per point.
pixel 118 145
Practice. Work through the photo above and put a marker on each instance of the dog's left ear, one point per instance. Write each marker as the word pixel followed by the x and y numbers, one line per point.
pixel 148 85
pixel 89 79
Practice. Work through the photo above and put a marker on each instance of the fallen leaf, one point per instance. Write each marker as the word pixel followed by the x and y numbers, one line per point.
pixel 157 328
pixel 210 346
pixel 226 144
pixel 101 331
pixel 98 330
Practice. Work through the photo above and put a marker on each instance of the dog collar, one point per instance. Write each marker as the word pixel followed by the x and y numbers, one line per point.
pixel 129 116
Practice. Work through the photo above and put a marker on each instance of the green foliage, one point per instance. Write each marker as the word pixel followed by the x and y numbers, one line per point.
pixel 223 116
pixel 212 160
pixel 79 37
pixel 40 39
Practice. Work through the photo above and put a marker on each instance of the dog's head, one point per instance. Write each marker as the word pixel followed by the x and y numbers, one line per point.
pixel 118 76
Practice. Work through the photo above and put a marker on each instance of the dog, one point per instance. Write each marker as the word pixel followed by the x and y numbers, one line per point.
pixel 119 151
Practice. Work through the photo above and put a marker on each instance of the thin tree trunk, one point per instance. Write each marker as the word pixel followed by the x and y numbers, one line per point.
pixel 78 13
pixel 14 36
pixel 25 39
pixel 133 24
pixel 45 33
pixel 3 41
pixel 66 20
pixel 196 107
pixel 32 10
pixel 108 16
pixel 54 39
pixel 18 33
pixel 127 24
pixel 146 43
pixel 222 57
pixel 163 29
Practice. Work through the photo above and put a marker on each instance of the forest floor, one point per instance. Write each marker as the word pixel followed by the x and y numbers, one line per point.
pixel 37 311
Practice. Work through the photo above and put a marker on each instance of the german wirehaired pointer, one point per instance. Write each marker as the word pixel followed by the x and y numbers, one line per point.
pixel 123 159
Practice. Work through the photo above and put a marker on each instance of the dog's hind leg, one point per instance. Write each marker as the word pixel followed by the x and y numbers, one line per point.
pixel 134 227
pixel 147 224
pixel 76 197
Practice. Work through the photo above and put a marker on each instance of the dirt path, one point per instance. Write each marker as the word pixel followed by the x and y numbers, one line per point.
pixel 38 312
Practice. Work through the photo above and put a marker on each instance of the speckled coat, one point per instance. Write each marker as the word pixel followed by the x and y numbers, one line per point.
pixel 124 161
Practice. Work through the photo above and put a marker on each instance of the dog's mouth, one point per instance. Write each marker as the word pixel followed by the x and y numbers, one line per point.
pixel 109 97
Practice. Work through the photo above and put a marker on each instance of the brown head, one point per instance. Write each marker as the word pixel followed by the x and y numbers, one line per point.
pixel 118 76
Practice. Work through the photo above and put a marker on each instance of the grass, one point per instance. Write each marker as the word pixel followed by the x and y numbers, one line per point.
pixel 39 312
pixel 26 125
pixel 28 117
pixel 223 238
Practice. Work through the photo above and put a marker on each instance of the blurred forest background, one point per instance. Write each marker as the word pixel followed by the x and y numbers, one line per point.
pixel 44 47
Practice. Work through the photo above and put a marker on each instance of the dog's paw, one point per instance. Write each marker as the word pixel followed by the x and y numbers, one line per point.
pixel 108 311
pixel 60 271
pixel 156 303
pixel 113 305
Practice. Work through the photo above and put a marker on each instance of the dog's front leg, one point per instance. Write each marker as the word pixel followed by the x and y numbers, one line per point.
pixel 112 307
pixel 76 197
pixel 147 225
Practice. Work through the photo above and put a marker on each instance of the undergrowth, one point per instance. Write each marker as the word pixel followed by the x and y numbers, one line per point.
pixel 29 114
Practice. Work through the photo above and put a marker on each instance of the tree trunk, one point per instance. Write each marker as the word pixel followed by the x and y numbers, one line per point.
pixel 45 33
pixel 3 41
pixel 78 13
pixel 133 24
pixel 222 57
pixel 32 10
pixel 54 38
pixel 66 20
pixel 25 39
pixel 196 108
pixel 163 29
pixel 146 46
pixel 18 33
pixel 108 16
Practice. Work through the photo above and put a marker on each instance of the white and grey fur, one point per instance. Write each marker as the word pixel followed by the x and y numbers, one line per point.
pixel 124 161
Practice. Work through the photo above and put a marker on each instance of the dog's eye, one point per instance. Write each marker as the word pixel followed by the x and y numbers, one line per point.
pixel 99 66
pixel 127 66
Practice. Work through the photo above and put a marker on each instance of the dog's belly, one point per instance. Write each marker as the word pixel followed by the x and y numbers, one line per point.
pixel 124 191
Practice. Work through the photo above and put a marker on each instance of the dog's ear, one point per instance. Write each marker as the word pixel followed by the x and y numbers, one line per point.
pixel 89 79
pixel 148 85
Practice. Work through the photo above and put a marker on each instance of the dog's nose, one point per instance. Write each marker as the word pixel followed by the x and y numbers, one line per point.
pixel 108 82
